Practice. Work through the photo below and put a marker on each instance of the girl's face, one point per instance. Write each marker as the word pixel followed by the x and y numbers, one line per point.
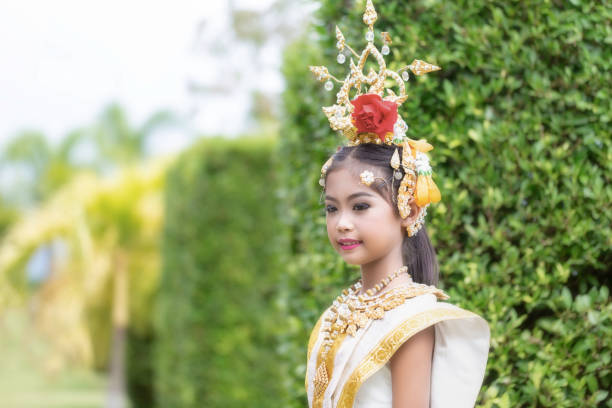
pixel 356 212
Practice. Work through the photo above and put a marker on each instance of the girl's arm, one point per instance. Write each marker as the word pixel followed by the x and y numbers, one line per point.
pixel 411 370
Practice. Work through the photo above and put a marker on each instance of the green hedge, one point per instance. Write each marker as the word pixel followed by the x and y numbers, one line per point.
pixel 519 117
pixel 216 323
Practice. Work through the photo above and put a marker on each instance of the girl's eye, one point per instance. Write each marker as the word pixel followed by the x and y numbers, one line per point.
pixel 358 207
pixel 330 209
pixel 361 206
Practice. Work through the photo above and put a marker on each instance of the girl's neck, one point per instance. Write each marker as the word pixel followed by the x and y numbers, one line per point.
pixel 371 274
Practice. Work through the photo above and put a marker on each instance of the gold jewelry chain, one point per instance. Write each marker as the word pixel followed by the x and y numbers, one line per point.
pixel 351 312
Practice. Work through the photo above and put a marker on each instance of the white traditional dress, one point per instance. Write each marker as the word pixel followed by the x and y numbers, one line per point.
pixel 358 372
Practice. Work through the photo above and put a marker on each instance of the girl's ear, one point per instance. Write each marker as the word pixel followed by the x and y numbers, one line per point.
pixel 415 210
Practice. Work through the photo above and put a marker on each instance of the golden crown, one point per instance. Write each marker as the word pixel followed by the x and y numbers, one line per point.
pixel 340 114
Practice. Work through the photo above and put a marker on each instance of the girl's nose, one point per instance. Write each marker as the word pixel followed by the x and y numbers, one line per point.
pixel 344 224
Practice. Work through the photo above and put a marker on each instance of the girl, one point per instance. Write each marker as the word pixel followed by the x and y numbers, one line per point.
pixel 389 340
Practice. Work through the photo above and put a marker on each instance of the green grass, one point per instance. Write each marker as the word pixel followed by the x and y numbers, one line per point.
pixel 27 377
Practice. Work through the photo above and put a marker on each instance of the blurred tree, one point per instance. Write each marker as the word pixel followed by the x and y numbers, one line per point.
pixel 249 52
pixel 8 216
pixel 104 225
pixel 38 169
pixel 117 142
pixel 110 227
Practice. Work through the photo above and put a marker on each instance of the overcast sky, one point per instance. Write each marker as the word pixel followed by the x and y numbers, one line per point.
pixel 63 61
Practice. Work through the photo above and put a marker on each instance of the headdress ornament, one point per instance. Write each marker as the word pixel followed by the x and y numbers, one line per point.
pixel 372 117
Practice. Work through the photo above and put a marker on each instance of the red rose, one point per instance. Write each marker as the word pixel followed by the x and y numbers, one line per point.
pixel 373 115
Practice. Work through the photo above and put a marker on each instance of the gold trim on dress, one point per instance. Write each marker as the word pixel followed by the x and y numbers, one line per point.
pixel 314 335
pixel 383 351
pixel 325 365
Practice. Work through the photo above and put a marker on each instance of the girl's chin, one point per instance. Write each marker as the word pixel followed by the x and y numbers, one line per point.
pixel 351 259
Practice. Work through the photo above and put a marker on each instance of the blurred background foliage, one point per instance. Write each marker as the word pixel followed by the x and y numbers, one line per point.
pixel 98 227
pixel 217 321
pixel 195 280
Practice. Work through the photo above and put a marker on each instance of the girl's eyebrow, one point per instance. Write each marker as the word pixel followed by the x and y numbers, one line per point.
pixel 330 198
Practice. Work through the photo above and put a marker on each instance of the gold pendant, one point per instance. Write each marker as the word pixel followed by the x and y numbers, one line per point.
pixel 395 161
pixel 320 380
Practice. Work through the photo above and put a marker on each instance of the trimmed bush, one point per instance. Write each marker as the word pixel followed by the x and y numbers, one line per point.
pixel 519 117
pixel 216 323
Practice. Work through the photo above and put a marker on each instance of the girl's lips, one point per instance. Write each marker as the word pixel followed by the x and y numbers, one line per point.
pixel 351 246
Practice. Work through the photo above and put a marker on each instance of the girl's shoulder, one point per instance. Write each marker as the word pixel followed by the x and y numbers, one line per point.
pixel 427 305
pixel 415 289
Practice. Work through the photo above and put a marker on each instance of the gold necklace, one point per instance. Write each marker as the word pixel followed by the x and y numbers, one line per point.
pixel 352 311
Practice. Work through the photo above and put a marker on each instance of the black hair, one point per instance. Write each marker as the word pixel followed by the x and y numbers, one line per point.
pixel 417 252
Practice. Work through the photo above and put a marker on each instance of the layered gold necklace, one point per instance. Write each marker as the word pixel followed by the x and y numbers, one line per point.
pixel 352 311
